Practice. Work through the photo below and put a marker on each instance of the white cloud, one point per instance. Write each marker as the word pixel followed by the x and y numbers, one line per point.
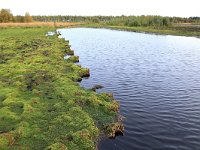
pixel 184 8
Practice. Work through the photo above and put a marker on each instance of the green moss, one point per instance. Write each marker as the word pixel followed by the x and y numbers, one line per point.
pixel 73 59
pixel 41 105
pixel 69 52
pixel 8 120
pixel 17 107
pixel 56 146
pixel 3 142
pixel 113 129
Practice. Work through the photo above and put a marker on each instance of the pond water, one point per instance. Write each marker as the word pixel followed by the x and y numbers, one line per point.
pixel 156 79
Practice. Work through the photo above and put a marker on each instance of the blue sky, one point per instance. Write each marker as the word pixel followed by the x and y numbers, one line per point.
pixel 182 8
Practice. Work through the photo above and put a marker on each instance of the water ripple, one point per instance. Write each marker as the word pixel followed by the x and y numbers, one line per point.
pixel 155 78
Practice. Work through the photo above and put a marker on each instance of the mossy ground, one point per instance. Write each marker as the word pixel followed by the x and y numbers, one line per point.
pixel 41 105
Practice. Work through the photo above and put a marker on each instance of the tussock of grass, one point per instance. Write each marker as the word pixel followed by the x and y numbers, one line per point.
pixel 41 107
pixel 73 59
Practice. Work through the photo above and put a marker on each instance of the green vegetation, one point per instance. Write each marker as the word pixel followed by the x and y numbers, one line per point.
pixel 154 24
pixel 6 16
pixel 121 20
pixel 148 24
pixel 41 105
pixel 27 17
pixel 180 30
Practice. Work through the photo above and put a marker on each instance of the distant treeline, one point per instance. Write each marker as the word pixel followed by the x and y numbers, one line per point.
pixel 70 18
pixel 149 20
pixel 156 21
pixel 121 20
pixel 7 16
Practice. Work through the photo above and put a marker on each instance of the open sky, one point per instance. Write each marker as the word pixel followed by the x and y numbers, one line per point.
pixel 182 8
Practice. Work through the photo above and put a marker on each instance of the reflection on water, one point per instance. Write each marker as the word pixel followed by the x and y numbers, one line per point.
pixel 156 79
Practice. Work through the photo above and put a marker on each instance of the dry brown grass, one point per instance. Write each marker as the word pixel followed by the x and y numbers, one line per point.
pixel 40 24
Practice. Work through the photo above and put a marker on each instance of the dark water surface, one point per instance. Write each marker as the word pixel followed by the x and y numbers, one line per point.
pixel 156 79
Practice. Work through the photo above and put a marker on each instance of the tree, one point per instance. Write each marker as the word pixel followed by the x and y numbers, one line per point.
pixel 166 21
pixel 6 16
pixel 28 17
pixel 19 18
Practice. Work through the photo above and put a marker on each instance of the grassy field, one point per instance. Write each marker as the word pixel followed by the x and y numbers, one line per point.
pixel 41 104
pixel 179 29
pixel 40 24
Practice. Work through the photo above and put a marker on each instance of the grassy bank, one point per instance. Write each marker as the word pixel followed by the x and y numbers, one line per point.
pixel 41 104
pixel 40 24
pixel 179 30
